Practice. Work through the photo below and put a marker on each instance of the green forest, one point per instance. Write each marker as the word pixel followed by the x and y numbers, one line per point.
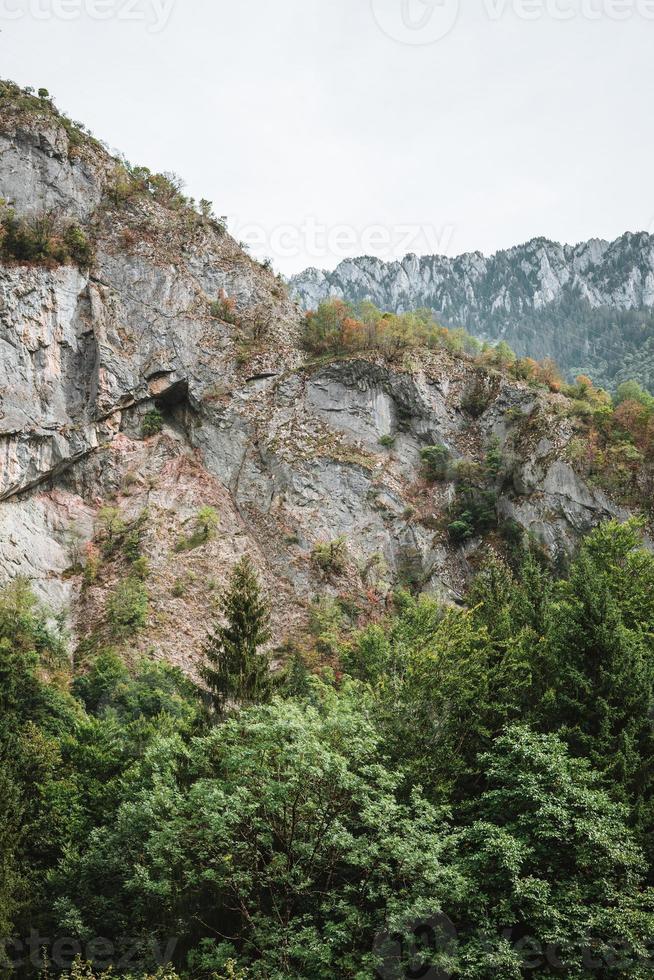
pixel 464 792
pixel 611 345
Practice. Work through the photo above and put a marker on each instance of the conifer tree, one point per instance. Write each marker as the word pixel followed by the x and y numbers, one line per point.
pixel 234 668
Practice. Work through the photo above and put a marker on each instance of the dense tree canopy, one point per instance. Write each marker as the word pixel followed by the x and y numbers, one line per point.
pixel 470 793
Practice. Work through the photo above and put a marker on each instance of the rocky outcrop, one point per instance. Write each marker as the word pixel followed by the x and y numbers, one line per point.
pixel 589 305
pixel 38 174
pixel 290 454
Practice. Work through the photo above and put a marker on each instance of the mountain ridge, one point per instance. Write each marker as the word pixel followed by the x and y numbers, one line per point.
pixel 590 306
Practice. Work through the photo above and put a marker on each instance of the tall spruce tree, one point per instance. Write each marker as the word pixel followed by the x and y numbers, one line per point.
pixel 234 668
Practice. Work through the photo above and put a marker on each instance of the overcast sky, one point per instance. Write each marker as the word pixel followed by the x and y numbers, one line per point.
pixel 326 128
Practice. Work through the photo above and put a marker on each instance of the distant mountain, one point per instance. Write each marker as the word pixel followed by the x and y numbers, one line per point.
pixel 589 306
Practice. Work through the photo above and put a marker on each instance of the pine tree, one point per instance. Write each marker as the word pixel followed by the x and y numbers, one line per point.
pixel 598 690
pixel 234 668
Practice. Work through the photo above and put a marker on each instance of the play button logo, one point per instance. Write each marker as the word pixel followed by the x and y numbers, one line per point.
pixel 416 22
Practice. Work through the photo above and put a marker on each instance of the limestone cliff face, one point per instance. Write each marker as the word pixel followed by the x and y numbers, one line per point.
pixel 288 452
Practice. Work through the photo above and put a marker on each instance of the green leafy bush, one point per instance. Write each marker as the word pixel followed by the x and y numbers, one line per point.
pixel 141 567
pixel 111 529
pixel 494 460
pixel 474 509
pixel 463 527
pixel 127 608
pixel 204 525
pixel 474 512
pixel 153 423
pixel 436 461
pixel 78 246
pixel 330 556
pixel 43 239
pixel 206 521
pixel 326 621
pixel 132 545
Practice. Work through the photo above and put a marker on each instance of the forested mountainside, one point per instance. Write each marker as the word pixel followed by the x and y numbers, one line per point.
pixel 326 641
pixel 588 306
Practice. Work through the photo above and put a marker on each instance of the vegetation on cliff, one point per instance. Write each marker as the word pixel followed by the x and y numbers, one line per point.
pixel 339 328
pixel 42 239
pixel 588 307
pixel 613 445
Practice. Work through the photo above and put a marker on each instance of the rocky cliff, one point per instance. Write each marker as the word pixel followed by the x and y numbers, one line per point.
pixel 589 306
pixel 171 315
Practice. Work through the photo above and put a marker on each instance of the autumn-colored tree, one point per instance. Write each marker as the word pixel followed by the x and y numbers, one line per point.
pixel 352 334
pixel 634 417
pixel 548 374
pixel 525 368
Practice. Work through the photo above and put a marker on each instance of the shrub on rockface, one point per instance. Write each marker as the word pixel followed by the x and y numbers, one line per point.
pixel 224 308
pixel 203 527
pixel 387 441
pixel 130 183
pixel 206 522
pixel 474 509
pixel 31 107
pixel 436 461
pixel 78 246
pixel 614 444
pixel 43 239
pixel 153 423
pixel 330 556
pixel 133 184
pixel 337 327
pixel 127 608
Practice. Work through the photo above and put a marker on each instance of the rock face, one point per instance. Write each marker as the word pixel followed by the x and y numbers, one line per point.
pixel 589 306
pixel 286 451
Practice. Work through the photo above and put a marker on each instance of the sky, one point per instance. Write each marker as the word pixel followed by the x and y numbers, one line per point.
pixel 332 128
